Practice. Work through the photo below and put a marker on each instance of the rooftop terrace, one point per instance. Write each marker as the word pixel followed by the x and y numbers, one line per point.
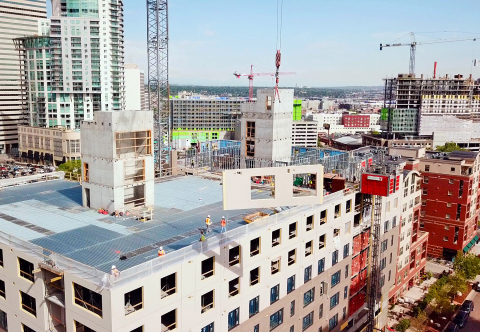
pixel 50 215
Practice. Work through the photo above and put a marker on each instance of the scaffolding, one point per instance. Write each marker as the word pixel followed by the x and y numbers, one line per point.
pixel 133 144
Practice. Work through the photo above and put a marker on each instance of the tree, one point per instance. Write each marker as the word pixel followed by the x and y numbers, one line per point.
pixel 467 265
pixel 441 303
pixel 458 283
pixel 449 147
pixel 374 132
pixel 403 325
pixel 72 166
pixel 419 323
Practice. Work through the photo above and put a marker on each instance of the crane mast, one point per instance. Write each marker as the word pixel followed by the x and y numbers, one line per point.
pixel 158 87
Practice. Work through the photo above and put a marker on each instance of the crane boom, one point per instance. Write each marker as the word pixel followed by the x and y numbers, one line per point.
pixel 413 46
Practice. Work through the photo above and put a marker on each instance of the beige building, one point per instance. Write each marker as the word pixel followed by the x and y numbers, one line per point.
pixel 17 19
pixel 48 145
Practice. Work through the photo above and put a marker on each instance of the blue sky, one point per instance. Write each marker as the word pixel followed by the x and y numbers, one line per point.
pixel 327 43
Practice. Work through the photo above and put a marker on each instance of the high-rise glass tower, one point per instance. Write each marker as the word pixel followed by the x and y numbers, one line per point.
pixel 17 18
pixel 79 68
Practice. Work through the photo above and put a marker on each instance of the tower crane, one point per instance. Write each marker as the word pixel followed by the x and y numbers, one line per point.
pixel 252 74
pixel 413 46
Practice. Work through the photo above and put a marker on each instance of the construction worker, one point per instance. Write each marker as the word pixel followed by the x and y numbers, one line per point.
pixel 193 164
pixel 223 223
pixel 202 237
pixel 114 271
pixel 161 252
pixel 208 222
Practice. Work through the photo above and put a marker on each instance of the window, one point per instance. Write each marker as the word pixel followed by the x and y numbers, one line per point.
pixel 451 181
pixel 88 299
pixel 275 266
pixel 447 216
pixel 383 245
pixel 337 211
pixel 233 318
pixel 234 287
pixel 321 265
pixel 3 320
pixel 335 278
pixel 445 238
pixel 25 328
pixel 276 238
pixel 1 257
pixel 208 266
pixel 345 292
pixel 308 248
pixel 256 328
pixel 254 247
pixel 168 285
pixel 346 250
pixel 334 257
pixel 308 297
pixel 336 232
pixel 424 203
pixel 452 169
pixel 29 304
pixel 208 328
pixel 334 300
pixel 321 241
pixel 307 321
pixel 333 322
pixel 425 179
pixel 85 172
pixel 309 226
pixel 346 271
pixel 133 301
pixel 383 263
pixel 344 312
pixel 427 168
pixel 26 269
pixel 276 319
pixel 292 308
pixel 292 328
pixel 447 227
pixel 2 289
pixel 274 293
pixel 386 226
pixel 290 284
pixel 449 193
pixel 449 204
pixel 320 311
pixel 323 217
pixel 307 276
pixel 348 207
pixel 234 256
pixel 254 276
pixel 79 327
pixel 207 300
pixel 424 191
pixel 394 221
pixel 254 306
pixel 292 230
pixel 292 257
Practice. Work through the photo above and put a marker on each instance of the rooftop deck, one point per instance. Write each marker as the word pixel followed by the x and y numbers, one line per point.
pixel 50 215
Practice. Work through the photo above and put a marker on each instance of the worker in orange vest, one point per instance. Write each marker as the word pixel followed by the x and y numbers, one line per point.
pixel 161 252
pixel 223 223
pixel 208 222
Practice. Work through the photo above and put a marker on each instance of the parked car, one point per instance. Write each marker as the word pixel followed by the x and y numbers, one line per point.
pixel 461 318
pixel 451 327
pixel 467 306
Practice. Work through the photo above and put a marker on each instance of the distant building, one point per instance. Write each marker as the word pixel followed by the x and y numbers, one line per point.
pixel 327 104
pixel 134 88
pixel 305 134
pixel 347 123
pixel 407 141
pixel 19 18
pixel 48 146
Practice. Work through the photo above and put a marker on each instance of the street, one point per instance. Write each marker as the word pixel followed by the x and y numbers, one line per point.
pixel 473 324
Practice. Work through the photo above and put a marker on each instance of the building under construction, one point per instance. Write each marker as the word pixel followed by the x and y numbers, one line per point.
pixel 443 107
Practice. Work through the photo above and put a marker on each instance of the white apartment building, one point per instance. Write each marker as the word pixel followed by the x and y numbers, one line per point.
pixel 288 269
pixel 79 68
pixel 134 88
pixel 18 18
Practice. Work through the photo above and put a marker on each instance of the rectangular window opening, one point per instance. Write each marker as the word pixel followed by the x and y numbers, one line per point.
pixel 208 267
pixel 133 301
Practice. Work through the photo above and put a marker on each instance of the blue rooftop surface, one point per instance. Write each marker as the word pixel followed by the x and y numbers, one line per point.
pixel 50 215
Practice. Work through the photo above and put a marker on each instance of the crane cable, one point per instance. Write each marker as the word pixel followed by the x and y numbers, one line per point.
pixel 279 23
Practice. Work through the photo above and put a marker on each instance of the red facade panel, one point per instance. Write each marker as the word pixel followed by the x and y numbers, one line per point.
pixel 375 184
pixel 356 121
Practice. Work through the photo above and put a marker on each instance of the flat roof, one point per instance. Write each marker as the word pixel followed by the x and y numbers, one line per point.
pixel 50 215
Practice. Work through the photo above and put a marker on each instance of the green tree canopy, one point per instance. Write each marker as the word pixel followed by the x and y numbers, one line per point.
pixel 467 265
pixel 449 147
pixel 73 166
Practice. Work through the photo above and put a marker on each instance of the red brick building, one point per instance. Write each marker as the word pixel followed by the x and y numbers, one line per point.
pixel 450 206
pixel 356 121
